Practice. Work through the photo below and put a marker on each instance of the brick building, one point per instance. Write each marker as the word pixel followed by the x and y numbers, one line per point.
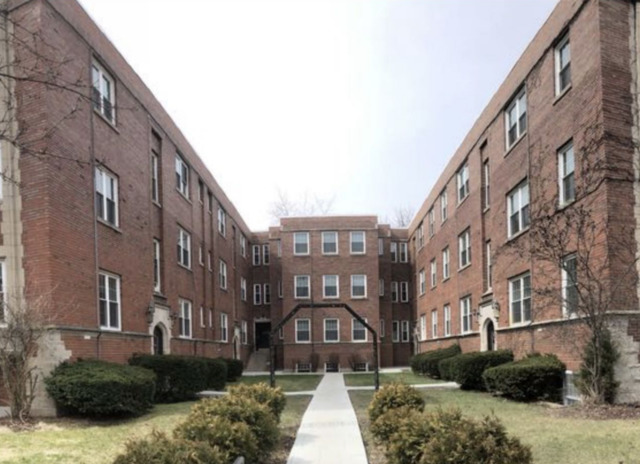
pixel 109 213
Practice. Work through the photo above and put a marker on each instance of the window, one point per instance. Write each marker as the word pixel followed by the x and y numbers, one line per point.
pixel 420 235
pixel 303 330
pixel 434 273
pixel 520 299
pixel 462 179
pixel 357 243
pixel 405 331
pixel 302 286
pixel 486 185
pixel 184 318
pixel 423 327
pixel 243 246
pixel 222 221
pixel 422 282
pixel 202 317
pixel 464 248
pixel 157 287
pixel 301 243
pixel 182 176
pixel 518 208
pixel 210 318
pixel 404 292
pixel 358 331
pixel 393 248
pixel 465 314
pixel 358 286
pixel 267 294
pixel 184 247
pixel 395 331
pixel 381 328
pixel 279 289
pixel 104 97
pixel 209 201
pixel 404 252
pixel 330 286
pixel 223 275
pixel 566 174
pixel 200 255
pixel 516 118
pixel 394 292
pixel 200 191
pixel 447 320
pixel 331 330
pixel 432 222
pixel 224 331
pixel 265 254
pixel 257 294
pixel 209 262
pixel 381 287
pixel 329 243
pixel 445 264
pixel 109 296
pixel 243 289
pixel 243 333
pixel 434 323
pixel 570 285
pixel 563 65
pixel 443 206
pixel 256 255
pixel 155 187
pixel 107 196
pixel 380 247
pixel 489 266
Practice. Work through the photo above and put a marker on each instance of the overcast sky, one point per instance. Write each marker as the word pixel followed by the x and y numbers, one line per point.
pixel 360 101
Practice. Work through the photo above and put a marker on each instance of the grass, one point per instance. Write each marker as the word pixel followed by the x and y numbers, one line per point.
pixel 366 379
pixel 80 441
pixel 552 439
pixel 288 383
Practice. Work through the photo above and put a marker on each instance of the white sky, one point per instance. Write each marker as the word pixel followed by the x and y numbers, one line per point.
pixel 360 101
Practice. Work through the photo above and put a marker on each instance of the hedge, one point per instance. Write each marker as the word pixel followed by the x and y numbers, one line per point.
pixel 234 368
pixel 466 369
pixel 445 368
pixel 536 377
pixel 394 396
pixel 159 449
pixel 180 378
pixel 101 389
pixel 427 363
pixel 273 398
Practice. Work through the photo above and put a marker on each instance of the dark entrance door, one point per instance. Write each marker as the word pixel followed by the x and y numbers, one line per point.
pixel 262 334
pixel 158 341
pixel 491 336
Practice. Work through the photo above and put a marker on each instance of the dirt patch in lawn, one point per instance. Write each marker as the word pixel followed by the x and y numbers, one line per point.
pixel 598 412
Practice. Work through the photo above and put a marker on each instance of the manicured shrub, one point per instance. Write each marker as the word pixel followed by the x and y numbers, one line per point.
pixel 179 378
pixel 467 368
pixel 445 368
pixel 273 398
pixel 159 449
pixel 427 363
pixel 217 374
pixel 389 422
pixel 234 368
pixel 392 396
pixel 536 377
pixel 101 389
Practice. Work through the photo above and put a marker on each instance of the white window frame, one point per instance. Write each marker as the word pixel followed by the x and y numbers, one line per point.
pixel 244 336
pixel 404 292
pixel 157 266
pixel 465 315
pixel 380 287
pixel 337 329
pixel 184 246
pixel 382 330
pixel 256 256
pixel 559 69
pixel 266 294
pixel 257 294
pixel 405 331
pixel 243 289
pixel 444 204
pixel 353 277
pixel 420 236
pixel 364 329
pixel 305 243
pixel 182 176
pixel 393 249
pixel 298 331
pixel 266 254
pixel 108 299
pixel 201 255
pixel 462 182
pixel 380 247
pixel 446 264
pixel 431 220
pixel 202 317
pixel 422 281
pixel 464 245
pixel 395 294
pixel 223 275
pixel 107 182
pixel 517 107
pixel 395 331
pixel 326 234
pixel 513 301
pixel 565 154
pixel 423 327
pixel 434 272
pixel 222 221
pixel 155 181
pixel 243 246
pixel 210 317
pixel 489 269
pixel 566 284
pixel 209 261
pixel 522 211
pixel 295 287
pixel 434 323
pixel 403 252
pixel 447 320
pixel 352 242
pixel 103 86
pixel 486 187
pixel 324 286
pixel 224 328
pixel 185 318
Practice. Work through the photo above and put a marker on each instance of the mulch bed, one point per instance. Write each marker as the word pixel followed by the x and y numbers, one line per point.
pixel 598 412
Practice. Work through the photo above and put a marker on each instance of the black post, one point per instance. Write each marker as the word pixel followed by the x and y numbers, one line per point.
pixel 375 361
pixel 272 363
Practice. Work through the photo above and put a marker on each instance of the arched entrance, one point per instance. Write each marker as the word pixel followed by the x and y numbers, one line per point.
pixel 158 340
pixel 490 335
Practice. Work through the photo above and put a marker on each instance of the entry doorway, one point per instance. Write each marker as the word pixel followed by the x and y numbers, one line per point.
pixel 263 330
pixel 158 340
pixel 490 335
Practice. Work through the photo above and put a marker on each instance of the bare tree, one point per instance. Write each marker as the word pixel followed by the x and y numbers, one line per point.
pixel 304 205
pixel 402 216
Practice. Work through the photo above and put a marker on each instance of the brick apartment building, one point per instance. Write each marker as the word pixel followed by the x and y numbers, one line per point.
pixel 109 214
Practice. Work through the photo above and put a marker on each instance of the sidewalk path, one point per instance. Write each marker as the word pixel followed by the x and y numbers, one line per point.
pixel 329 433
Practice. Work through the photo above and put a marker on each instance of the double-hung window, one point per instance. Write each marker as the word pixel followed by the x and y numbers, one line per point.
pixel 404 252
pixel 303 330
pixel 420 235
pixel 358 331
pixel 464 248
pixel 434 323
pixel 104 97
pixel 357 243
pixel 445 264
pixel 434 273
pixel 516 118
pixel 257 294
pixel 301 243
pixel 422 284
pixel 266 297
pixel 107 196
pixel 393 248
pixel 404 292
pixel 462 180
pixel 563 65
pixel 243 289
pixel 395 331
pixel 518 209
pixel 358 286
pixel 223 275
pixel 381 287
pixel 243 245
pixel 465 314
pixel 443 205
pixel 447 320
pixel 182 176
pixel 157 287
pixel 329 243
pixel 570 285
pixel 243 333
pixel 184 247
pixel 486 185
pixel 423 327
pixel 394 292
pixel 184 318
pixel 405 331
pixel 256 255
pixel 302 287
pixel 520 298
pixel 222 221
pixel 224 329
pixel 330 286
pixel 155 177
pixel 266 258
pixel 566 174
pixel 109 296
pixel 331 330
pixel 432 222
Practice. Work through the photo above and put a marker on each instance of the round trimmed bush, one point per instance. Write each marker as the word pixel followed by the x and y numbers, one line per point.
pixel 234 368
pixel 159 449
pixel 101 389
pixel 427 363
pixel 392 396
pixel 273 398
pixel 466 369
pixel 390 422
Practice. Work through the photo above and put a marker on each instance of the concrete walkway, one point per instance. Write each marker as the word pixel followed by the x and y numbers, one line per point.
pixel 329 432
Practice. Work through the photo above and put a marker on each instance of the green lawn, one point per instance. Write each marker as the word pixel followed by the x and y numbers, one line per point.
pixel 288 383
pixel 80 441
pixel 552 439
pixel 366 379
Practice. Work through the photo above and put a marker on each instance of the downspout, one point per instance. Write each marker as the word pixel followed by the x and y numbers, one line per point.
pixel 635 128
pixel 95 212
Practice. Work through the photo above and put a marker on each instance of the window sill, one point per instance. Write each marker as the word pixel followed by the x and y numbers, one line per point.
pixel 359 341
pixel 330 254
pixel 466 266
pixel 186 198
pixel 224 234
pixel 486 209
pixel 359 298
pixel 331 297
pixel 111 124
pixel 184 267
pixel 109 225
pixel 565 205
pixel 562 94
pixel 300 254
pixel 460 202
pixel 331 341
pixel 110 329
pixel 358 253
pixel 518 235
pixel 157 203
pixel 514 144
pixel 446 279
